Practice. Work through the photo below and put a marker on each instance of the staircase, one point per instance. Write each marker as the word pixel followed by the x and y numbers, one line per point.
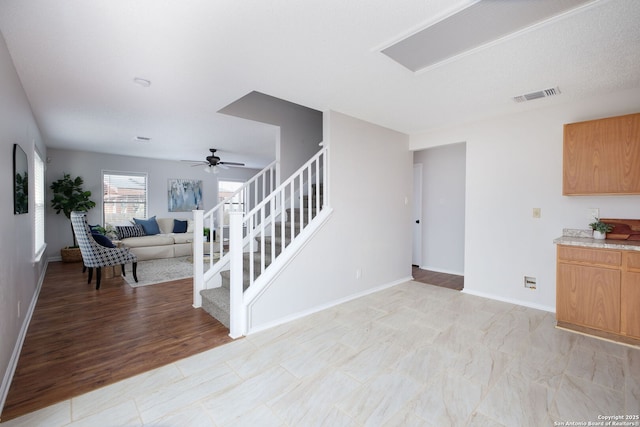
pixel 271 231
pixel 215 301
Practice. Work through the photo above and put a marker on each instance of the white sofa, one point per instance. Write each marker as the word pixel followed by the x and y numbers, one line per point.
pixel 167 244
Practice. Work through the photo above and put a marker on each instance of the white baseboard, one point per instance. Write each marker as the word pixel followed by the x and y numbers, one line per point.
pixel 15 356
pixel 510 300
pixel 304 313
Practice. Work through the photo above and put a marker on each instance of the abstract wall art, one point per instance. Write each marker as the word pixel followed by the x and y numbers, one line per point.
pixel 185 195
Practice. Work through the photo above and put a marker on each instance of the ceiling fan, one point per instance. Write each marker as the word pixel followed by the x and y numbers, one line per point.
pixel 212 162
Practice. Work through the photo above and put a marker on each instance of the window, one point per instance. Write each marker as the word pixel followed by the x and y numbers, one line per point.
pixel 38 202
pixel 225 190
pixel 124 196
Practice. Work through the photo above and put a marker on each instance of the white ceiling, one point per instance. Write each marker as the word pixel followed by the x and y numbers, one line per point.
pixel 77 60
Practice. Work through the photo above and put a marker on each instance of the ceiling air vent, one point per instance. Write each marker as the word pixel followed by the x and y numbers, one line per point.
pixel 536 95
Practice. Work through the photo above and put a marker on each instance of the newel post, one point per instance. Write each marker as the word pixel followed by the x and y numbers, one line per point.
pixel 198 257
pixel 237 326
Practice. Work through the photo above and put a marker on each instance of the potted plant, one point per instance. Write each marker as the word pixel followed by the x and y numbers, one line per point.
pixel 600 229
pixel 68 196
pixel 207 234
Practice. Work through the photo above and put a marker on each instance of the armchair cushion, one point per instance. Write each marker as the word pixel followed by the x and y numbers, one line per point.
pixel 149 225
pixel 103 240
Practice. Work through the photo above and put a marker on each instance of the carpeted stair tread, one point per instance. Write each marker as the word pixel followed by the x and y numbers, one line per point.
pixel 216 302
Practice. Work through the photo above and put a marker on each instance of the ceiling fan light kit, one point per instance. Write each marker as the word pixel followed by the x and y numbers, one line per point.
pixel 212 163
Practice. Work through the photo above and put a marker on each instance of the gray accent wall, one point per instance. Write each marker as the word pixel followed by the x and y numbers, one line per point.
pixel 300 127
pixel 20 274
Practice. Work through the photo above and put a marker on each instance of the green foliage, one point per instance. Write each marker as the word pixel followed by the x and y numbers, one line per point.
pixel 600 226
pixel 21 201
pixel 68 196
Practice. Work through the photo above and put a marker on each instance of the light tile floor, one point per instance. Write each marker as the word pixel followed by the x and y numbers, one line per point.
pixel 412 355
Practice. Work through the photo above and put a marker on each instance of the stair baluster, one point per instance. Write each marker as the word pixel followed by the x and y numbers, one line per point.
pixel 255 254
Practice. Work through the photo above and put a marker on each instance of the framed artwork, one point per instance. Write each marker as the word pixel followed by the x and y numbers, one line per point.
pixel 20 181
pixel 185 195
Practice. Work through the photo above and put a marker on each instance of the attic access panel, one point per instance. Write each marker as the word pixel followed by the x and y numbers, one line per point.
pixel 477 25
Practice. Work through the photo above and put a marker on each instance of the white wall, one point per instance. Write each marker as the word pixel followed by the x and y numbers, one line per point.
pixel 90 166
pixel 370 229
pixel 514 164
pixel 19 275
pixel 443 196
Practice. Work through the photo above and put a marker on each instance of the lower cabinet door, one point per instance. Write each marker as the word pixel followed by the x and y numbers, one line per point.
pixel 631 301
pixel 589 296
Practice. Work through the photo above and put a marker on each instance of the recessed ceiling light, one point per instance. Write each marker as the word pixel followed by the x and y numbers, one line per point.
pixel 142 139
pixel 142 82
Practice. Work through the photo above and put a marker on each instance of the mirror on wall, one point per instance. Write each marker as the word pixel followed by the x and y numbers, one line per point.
pixel 20 181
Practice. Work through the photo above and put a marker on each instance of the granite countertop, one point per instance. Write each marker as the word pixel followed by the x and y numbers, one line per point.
pixel 583 238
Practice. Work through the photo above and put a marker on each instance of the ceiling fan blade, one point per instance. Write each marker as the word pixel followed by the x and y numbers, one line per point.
pixel 231 163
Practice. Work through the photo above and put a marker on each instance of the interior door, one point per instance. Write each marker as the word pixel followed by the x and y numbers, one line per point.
pixel 417 215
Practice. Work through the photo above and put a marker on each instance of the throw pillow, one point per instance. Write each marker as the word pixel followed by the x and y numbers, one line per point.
pixel 103 240
pixel 179 226
pixel 129 231
pixel 150 225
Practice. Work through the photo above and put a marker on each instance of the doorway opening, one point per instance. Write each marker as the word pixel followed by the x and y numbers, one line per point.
pixel 439 194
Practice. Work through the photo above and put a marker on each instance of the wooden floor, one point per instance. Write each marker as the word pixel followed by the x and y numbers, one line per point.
pixel 81 339
pixel 444 280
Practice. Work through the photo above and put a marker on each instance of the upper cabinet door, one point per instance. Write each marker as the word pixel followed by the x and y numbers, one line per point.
pixel 602 156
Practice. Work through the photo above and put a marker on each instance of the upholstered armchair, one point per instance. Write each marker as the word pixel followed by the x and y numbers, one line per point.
pixel 96 256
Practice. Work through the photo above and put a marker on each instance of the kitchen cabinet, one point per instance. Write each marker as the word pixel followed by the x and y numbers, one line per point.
pixel 588 288
pixel 598 291
pixel 602 156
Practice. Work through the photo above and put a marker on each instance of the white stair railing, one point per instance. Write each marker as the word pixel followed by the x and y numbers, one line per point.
pixel 270 228
pixel 251 193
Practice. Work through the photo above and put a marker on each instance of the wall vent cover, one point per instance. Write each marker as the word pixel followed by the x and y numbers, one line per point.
pixel 537 95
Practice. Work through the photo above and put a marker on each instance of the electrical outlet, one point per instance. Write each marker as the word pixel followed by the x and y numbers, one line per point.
pixel 529 282
pixel 536 212
pixel 358 273
pixel 593 213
